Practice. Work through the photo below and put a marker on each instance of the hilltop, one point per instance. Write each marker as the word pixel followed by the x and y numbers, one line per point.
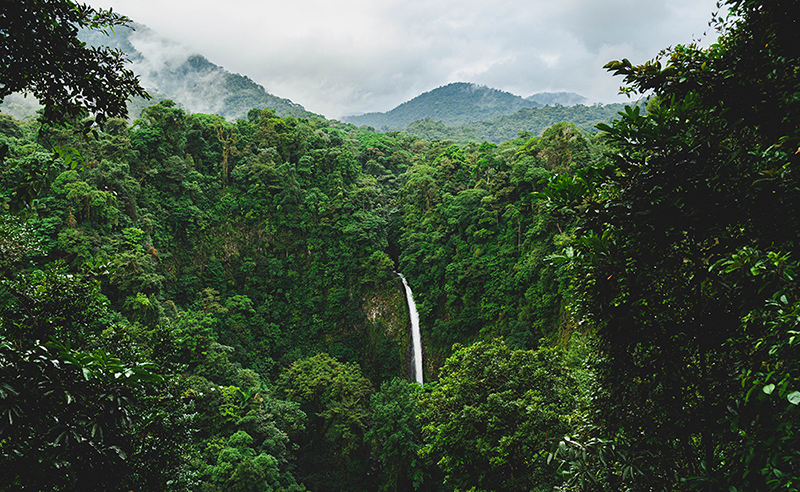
pixel 460 103
pixel 171 71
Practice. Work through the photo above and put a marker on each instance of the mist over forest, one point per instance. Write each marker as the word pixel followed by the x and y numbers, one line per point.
pixel 461 112
pixel 211 289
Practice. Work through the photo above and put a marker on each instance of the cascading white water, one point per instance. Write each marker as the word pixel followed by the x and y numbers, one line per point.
pixel 416 338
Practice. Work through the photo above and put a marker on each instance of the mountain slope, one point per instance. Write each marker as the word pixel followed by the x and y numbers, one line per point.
pixel 507 127
pixel 169 70
pixel 557 98
pixel 460 103
pixel 452 104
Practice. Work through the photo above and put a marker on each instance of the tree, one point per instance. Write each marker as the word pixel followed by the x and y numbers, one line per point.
pixel 681 260
pixel 491 415
pixel 396 438
pixel 335 396
pixel 72 416
pixel 562 147
pixel 40 53
pixel 238 468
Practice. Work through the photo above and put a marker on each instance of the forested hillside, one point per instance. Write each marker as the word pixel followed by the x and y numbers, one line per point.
pixel 251 248
pixel 464 113
pixel 507 127
pixel 193 303
pixel 452 104
pixel 188 78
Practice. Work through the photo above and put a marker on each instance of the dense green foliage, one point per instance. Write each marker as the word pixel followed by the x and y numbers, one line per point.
pixel 40 54
pixel 492 414
pixel 526 121
pixel 233 255
pixel 256 223
pixel 474 239
pixel 684 262
pixel 211 305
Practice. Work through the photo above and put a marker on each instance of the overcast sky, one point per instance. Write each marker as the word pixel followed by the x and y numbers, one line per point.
pixel 352 56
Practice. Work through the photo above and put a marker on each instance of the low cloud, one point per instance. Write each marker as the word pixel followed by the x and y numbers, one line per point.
pixel 353 56
pixel 161 60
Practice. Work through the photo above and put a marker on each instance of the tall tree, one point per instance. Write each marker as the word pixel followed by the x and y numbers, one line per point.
pixel 492 413
pixel 40 53
pixel 336 397
pixel 681 260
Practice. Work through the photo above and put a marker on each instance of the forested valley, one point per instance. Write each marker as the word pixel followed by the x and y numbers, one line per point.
pixel 193 303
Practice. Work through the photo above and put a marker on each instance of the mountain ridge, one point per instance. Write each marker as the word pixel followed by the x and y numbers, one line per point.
pixel 170 71
pixel 459 103
pixel 557 98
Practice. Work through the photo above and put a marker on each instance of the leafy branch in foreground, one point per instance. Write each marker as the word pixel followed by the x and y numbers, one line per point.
pixel 41 54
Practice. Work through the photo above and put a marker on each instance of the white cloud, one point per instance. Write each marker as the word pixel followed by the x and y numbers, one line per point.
pixel 354 56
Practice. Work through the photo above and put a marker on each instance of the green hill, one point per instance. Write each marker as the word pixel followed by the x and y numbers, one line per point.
pixel 452 104
pixel 507 127
pixel 557 98
pixel 171 71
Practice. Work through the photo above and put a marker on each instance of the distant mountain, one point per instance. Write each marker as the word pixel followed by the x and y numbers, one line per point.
pixel 169 70
pixel 452 104
pixel 459 103
pixel 557 98
pixel 507 127
pixel 19 106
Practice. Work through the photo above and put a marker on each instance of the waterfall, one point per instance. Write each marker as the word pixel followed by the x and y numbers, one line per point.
pixel 416 338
